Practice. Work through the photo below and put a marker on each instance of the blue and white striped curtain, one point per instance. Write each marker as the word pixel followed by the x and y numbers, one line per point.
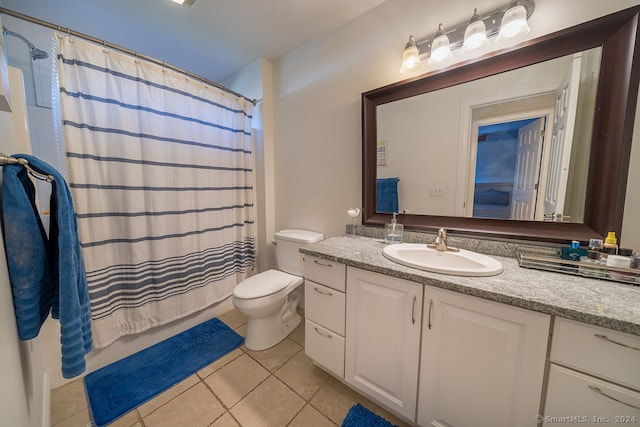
pixel 160 169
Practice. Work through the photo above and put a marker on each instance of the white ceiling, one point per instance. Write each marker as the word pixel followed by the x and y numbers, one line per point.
pixel 213 38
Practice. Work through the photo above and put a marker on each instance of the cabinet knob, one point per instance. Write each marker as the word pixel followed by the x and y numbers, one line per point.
pixel 321 292
pixel 602 393
pixel 322 264
pixel 322 334
pixel 413 310
pixel 430 308
pixel 440 423
pixel 607 339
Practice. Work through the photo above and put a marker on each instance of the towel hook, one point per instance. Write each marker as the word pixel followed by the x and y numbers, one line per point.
pixel 8 160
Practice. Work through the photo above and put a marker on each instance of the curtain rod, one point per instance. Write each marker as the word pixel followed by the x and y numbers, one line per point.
pixel 121 49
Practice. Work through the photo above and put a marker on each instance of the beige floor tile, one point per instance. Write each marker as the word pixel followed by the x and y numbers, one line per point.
pixel 208 370
pixel 127 420
pixel 310 417
pixel 194 408
pixel 79 419
pixel 334 400
pixel 233 381
pixel 275 357
pixel 153 404
pixel 242 331
pixel 389 416
pixel 233 318
pixel 225 421
pixel 271 404
pixel 68 400
pixel 297 335
pixel 302 375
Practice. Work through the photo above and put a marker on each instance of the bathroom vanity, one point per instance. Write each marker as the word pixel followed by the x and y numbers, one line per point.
pixel 522 348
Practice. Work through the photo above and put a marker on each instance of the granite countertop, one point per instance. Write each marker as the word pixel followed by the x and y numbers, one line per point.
pixel 598 302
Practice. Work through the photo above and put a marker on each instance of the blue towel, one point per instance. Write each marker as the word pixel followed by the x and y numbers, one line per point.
pixel 47 274
pixel 387 195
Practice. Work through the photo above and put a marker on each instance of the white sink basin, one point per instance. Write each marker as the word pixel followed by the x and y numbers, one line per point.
pixel 462 263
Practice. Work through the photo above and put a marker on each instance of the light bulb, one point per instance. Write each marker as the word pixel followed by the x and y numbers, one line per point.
pixel 440 49
pixel 410 57
pixel 514 24
pixel 475 36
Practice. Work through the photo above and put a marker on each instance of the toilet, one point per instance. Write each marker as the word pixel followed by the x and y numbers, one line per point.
pixel 270 299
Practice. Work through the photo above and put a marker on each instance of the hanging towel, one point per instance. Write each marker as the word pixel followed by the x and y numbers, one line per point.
pixel 47 274
pixel 387 195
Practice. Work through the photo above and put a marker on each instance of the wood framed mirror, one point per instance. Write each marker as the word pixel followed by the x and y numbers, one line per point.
pixel 616 97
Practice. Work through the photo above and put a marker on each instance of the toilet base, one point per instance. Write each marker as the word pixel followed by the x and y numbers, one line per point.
pixel 267 332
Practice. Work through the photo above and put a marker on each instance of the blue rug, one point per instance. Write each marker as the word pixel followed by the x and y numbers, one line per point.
pixel 359 416
pixel 118 388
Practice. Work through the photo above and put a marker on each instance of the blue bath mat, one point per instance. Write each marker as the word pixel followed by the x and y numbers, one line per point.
pixel 359 416
pixel 118 388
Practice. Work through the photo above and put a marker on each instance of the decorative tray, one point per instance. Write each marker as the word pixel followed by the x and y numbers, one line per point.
pixel 549 259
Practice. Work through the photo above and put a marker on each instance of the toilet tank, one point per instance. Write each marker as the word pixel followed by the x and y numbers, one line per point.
pixel 288 242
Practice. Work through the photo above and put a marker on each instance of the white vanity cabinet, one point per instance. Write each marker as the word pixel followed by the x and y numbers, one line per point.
pixel 383 338
pixel 594 376
pixel 482 362
pixel 325 313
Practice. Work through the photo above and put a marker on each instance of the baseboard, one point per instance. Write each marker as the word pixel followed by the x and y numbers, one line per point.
pixel 46 400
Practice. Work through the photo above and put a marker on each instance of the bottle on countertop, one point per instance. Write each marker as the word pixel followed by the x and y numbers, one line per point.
pixel 610 243
pixel 574 252
pixel 595 245
pixel 393 231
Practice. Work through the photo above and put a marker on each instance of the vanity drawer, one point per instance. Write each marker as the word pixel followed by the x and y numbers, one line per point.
pixel 325 347
pixel 602 352
pixel 589 400
pixel 328 273
pixel 325 306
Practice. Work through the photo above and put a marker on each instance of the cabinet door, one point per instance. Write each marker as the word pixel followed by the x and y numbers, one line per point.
pixel 482 362
pixel 383 338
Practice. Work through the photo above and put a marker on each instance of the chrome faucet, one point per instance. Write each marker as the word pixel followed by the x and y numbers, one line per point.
pixel 440 243
pixel 441 240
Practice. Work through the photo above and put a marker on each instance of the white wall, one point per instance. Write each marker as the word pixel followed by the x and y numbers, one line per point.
pixel 256 82
pixel 318 117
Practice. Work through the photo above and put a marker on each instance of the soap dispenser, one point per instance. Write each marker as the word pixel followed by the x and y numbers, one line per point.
pixel 393 231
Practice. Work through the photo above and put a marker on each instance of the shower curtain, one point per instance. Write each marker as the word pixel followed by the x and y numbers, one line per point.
pixel 160 170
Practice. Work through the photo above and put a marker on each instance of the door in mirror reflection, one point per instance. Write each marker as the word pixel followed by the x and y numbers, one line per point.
pixel 509 156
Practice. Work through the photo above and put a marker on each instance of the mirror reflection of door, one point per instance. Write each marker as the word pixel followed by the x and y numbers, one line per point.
pixel 509 155
pixel 561 144
pixel 518 175
pixel 526 180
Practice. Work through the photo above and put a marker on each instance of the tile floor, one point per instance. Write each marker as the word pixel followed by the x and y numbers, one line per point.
pixel 275 387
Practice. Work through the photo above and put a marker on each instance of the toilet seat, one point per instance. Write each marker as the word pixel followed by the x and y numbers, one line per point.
pixel 264 284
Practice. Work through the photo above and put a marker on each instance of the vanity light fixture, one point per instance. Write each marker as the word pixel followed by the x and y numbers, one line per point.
pixel 410 57
pixel 506 24
pixel 440 48
pixel 475 36
pixel 514 23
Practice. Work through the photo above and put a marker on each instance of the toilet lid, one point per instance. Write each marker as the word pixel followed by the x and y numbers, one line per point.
pixel 263 284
